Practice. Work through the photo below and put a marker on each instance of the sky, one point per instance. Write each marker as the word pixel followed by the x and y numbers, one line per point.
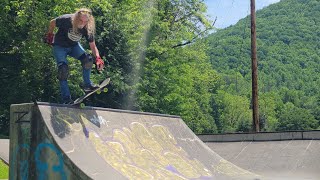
pixel 229 12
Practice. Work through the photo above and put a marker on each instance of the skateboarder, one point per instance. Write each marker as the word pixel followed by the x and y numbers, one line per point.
pixel 71 28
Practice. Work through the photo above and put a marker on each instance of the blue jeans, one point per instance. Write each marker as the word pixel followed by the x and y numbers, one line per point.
pixel 60 54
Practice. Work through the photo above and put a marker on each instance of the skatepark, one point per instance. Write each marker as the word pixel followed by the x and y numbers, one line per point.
pixel 51 141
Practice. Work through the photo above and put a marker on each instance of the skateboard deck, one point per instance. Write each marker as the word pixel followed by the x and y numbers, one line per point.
pixel 82 98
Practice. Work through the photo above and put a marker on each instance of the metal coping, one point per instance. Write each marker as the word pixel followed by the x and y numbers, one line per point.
pixel 102 109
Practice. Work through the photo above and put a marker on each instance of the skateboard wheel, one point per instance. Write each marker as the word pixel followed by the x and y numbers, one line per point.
pixel 82 105
pixel 99 91
pixel 105 90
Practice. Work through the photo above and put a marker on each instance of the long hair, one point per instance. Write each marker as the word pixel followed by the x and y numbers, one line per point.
pixel 91 26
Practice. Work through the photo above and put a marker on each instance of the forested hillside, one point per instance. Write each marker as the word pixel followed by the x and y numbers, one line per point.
pixel 288 42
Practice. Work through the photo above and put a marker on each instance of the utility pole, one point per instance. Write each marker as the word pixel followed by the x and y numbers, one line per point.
pixel 254 67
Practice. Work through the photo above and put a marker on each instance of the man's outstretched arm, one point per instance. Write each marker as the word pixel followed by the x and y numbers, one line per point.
pixel 52 25
pixel 49 35
pixel 95 52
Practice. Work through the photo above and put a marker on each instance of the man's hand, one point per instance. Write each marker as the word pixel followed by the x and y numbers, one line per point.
pixel 49 38
pixel 99 63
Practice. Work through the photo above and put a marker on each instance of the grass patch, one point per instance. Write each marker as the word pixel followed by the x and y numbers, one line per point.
pixel 4 170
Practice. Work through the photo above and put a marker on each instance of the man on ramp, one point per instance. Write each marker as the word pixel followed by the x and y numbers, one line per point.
pixel 71 28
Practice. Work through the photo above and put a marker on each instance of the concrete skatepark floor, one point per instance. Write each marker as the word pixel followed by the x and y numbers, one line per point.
pixel 291 159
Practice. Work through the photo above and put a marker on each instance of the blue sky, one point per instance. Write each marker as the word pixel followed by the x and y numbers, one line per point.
pixel 229 12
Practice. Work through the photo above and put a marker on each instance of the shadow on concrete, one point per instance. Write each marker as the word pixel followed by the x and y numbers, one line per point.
pixel 62 119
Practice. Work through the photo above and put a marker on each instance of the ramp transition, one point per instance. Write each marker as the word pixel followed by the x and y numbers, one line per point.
pixel 50 141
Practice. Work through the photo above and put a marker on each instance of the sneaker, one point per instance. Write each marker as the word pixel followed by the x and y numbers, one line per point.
pixel 89 88
pixel 67 101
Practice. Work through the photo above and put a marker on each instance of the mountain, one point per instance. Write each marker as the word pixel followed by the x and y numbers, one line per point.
pixel 288 41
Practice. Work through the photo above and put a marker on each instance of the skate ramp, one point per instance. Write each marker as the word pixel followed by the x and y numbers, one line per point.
pixel 50 141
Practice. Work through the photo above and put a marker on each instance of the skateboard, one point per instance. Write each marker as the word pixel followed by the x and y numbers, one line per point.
pixel 98 90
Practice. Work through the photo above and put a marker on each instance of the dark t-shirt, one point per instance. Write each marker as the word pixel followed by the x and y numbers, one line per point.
pixel 65 36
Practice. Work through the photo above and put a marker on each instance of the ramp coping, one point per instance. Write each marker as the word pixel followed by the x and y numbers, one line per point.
pixel 102 109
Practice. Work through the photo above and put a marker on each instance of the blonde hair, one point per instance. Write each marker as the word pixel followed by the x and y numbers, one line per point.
pixel 91 26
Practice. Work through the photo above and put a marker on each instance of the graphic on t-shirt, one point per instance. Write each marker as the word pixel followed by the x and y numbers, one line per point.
pixel 74 36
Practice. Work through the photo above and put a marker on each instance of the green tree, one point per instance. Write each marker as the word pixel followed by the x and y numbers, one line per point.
pixel 268 103
pixel 177 77
pixel 233 112
pixel 294 118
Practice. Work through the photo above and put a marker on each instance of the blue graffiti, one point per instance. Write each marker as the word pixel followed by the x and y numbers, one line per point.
pixel 42 168
pixel 24 167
